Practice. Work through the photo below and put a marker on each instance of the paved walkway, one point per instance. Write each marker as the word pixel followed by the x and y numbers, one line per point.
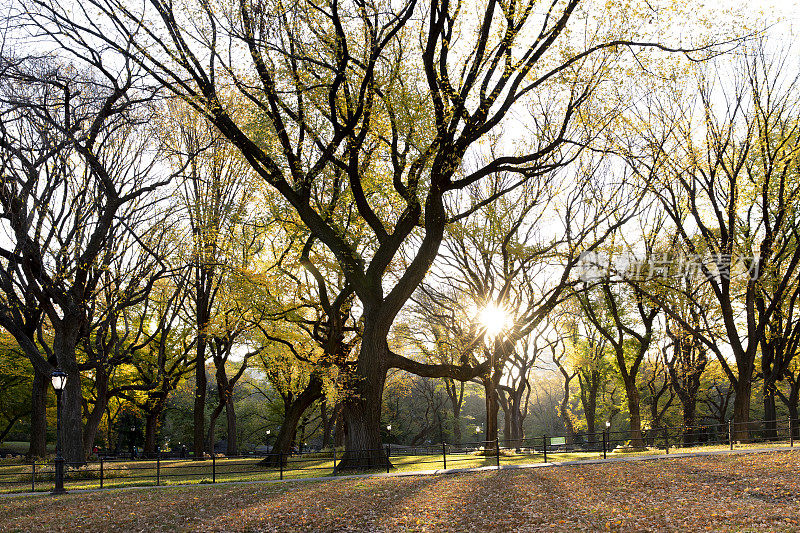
pixel 436 472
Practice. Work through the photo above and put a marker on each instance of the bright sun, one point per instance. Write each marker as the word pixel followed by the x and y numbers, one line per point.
pixel 494 318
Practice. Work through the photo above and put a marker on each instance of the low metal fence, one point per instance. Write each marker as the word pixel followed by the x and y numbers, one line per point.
pixel 106 472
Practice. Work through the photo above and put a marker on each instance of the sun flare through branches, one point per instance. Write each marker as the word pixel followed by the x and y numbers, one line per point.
pixel 494 318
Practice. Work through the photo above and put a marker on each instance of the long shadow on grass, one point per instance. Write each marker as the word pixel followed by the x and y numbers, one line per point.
pixel 347 504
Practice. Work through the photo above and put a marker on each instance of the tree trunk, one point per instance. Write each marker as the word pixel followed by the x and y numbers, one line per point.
pixel 150 431
pixel 689 433
pixel 340 430
pixel 71 419
pixel 492 408
pixel 38 438
pixel 516 427
pixel 590 384
pixel 363 446
pixel 212 426
pixel 456 399
pixel 636 418
pixel 792 403
pixel 64 347
pixel 513 431
pixel 564 412
pixel 362 405
pixel 770 411
pixel 291 417
pixel 507 419
pixel 95 416
pixel 230 416
pixel 330 425
pixel 741 408
pixel 457 437
pixel 200 384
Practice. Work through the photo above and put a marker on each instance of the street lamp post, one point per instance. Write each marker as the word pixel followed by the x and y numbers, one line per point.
pixel 133 449
pixel 59 380
pixel 389 436
pixel 607 439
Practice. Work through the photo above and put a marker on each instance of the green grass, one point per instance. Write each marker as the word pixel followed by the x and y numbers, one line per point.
pixel 21 447
pixel 15 476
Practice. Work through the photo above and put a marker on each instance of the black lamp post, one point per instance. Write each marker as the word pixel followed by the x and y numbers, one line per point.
pixel 59 380
pixel 133 450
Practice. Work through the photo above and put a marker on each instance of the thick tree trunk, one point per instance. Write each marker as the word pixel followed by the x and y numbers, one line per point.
pixel 71 419
pixel 150 432
pixel 362 405
pixel 635 416
pixel 72 398
pixel 38 438
pixel 741 409
pixel 363 446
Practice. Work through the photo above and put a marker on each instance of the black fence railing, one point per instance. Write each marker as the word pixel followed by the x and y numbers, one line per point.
pixel 106 472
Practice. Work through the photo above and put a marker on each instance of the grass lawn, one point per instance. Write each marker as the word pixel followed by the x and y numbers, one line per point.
pixel 16 476
pixel 758 492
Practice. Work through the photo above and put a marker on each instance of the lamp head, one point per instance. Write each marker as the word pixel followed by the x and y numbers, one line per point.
pixel 59 379
pixel 608 424
pixel 389 427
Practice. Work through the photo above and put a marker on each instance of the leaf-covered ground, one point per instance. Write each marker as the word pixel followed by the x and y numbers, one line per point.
pixel 756 492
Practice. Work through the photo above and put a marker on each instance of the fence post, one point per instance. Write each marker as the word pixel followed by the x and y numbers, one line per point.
pixel 102 472
pixel 444 454
pixel 666 439
pixel 213 467
pixel 280 462
pixel 604 442
pixel 158 466
pixel 544 447
pixel 730 435
pixel 497 450
pixel 791 432
pixel 33 475
pixel 388 461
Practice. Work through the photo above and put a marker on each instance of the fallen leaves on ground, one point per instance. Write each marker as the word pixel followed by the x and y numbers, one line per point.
pixel 758 492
